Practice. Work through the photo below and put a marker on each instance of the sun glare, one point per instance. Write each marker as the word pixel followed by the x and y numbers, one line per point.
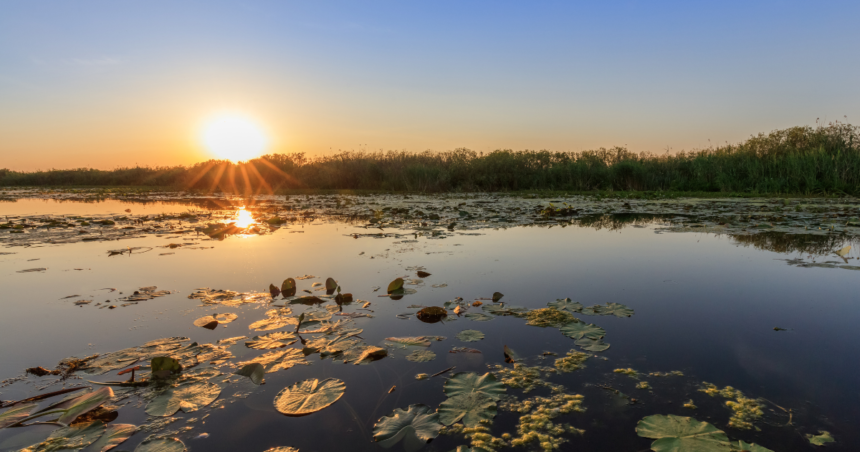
pixel 233 136
pixel 244 218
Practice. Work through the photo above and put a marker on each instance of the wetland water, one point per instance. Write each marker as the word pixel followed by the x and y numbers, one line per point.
pixel 758 295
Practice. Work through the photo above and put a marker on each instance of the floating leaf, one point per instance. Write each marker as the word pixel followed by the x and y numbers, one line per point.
pixel 421 356
pixel 747 447
pixel 254 371
pixel 207 322
pixel 189 397
pixel 330 285
pixel 579 330
pixel 307 301
pixel 273 289
pixel 83 404
pixel 164 367
pixel 821 439
pixel 423 274
pixel 471 408
pixel 226 318
pixel 479 317
pixel 677 433
pixel 564 304
pixel 423 341
pixel 275 361
pixel 418 421
pixel 472 383
pixel 396 285
pixel 115 435
pixel 371 353
pixel 592 345
pixel 844 251
pixel 16 414
pixel 161 445
pixel 309 396
pixel 497 296
pixel 75 437
pixel 288 287
pixel 510 356
pixel 432 314
pixel 618 310
pixel 271 341
pixel 470 335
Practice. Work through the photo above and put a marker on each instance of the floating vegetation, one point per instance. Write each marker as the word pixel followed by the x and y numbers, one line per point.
pixel 421 356
pixel 618 310
pixel 672 373
pixel 629 372
pixel 535 423
pixel 309 396
pixel 470 336
pixel 643 385
pixel 677 433
pixel 520 376
pixel 417 421
pixel 272 340
pixel 472 383
pixel 571 362
pixel 821 439
pixel 546 317
pixel 745 411
pixel 579 330
pixel 421 376
pixel 689 404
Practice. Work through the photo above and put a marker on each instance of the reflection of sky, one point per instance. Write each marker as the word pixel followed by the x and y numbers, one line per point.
pixel 703 306
pixel 323 76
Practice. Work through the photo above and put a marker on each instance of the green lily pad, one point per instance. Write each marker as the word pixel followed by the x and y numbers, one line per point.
pixel 254 371
pixel 618 310
pixel 16 414
pixel 677 434
pixel 115 435
pixel 70 438
pixel 189 396
pixel 471 383
pixel 418 421
pixel 503 309
pixel 471 408
pixel 470 335
pixel 395 285
pixel 330 285
pixel 579 330
pixel 309 396
pixel 592 345
pixel 271 341
pixel 421 356
pixel 164 367
pixel 747 447
pixel 161 445
pixel 479 317
pixel 565 304
pixel 821 439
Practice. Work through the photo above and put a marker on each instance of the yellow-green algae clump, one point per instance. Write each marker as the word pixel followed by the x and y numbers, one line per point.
pixel 629 372
pixel 745 411
pixel 571 362
pixel 520 376
pixel 548 317
pixel 536 426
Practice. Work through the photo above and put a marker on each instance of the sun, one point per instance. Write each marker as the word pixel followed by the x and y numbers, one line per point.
pixel 233 136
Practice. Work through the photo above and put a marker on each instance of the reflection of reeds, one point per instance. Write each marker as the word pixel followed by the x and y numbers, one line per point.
pixel 799 160
pixel 780 242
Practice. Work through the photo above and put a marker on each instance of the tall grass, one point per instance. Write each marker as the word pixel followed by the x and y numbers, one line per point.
pixel 798 160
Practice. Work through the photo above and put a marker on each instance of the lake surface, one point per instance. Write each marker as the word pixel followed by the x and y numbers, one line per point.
pixel 759 295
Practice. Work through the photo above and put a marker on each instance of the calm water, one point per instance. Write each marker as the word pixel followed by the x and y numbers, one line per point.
pixel 704 304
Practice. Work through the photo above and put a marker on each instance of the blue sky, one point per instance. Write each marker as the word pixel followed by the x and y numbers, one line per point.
pixel 114 83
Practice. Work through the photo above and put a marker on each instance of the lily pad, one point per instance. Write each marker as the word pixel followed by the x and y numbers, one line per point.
pixel 470 336
pixel 115 435
pixel 678 433
pixel 271 341
pixel 592 345
pixel 226 317
pixel 618 310
pixel 747 447
pixel 288 287
pixel 330 285
pixel 83 404
pixel 371 353
pixel 164 367
pixel 161 445
pixel 395 285
pixel 479 317
pixel 418 421
pixel 274 290
pixel 471 383
pixel 821 439
pixel 254 371
pixel 579 330
pixel 421 356
pixel 207 322
pixel 432 314
pixel 497 296
pixel 189 397
pixel 423 341
pixel 309 396
pixel 565 304
pixel 471 408
pixel 278 360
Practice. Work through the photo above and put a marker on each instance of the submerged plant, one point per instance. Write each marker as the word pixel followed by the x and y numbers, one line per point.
pixel 572 361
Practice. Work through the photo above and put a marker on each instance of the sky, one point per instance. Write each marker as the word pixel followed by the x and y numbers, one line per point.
pixel 107 84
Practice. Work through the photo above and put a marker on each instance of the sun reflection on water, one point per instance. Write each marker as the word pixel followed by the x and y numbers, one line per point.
pixel 243 218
